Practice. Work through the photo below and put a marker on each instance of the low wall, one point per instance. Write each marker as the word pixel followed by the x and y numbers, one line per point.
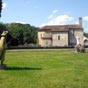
pixel 16 47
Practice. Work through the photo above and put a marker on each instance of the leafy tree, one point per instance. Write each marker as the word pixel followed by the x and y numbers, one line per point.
pixel 33 36
pixel 14 42
pixel 13 29
pixel 8 39
pixel 2 28
pixel 25 33
pixel 86 34
pixel 20 37
pixel 0 7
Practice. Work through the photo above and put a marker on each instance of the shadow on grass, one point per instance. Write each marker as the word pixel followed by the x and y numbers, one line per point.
pixel 22 68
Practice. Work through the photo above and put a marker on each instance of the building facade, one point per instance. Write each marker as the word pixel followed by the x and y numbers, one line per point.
pixel 60 35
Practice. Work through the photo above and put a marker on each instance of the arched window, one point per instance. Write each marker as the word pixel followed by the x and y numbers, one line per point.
pixel 58 37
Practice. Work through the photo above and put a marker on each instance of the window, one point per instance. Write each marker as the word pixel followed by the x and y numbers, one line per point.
pixel 58 37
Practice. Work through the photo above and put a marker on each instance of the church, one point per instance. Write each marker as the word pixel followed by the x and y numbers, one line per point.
pixel 60 35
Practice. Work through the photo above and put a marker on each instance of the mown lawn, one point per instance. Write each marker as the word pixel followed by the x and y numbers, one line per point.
pixel 45 69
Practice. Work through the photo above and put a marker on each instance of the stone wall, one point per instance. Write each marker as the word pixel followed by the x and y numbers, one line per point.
pixel 44 39
pixel 60 39
pixel 79 33
pixel 40 40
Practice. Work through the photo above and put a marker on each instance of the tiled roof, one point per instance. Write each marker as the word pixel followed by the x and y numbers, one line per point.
pixel 60 27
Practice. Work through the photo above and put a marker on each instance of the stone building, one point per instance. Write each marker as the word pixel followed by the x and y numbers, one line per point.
pixel 60 35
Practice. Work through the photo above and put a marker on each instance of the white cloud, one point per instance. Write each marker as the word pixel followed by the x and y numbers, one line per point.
pixel 59 20
pixel 17 22
pixel 76 22
pixel 55 11
pixel 85 18
pixel 4 5
pixel 20 22
pixel 86 29
pixel 52 14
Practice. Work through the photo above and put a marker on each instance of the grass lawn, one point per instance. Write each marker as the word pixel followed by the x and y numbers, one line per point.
pixel 45 69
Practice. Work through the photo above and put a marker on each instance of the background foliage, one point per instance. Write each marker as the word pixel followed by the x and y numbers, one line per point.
pixel 0 7
pixel 20 34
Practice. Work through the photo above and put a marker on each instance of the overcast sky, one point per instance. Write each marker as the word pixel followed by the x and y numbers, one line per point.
pixel 45 12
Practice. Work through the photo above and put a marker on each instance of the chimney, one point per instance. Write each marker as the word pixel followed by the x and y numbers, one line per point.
pixel 80 21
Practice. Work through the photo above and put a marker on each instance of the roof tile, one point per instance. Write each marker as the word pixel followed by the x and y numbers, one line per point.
pixel 60 27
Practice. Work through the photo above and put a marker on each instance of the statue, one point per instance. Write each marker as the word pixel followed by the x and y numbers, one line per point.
pixel 77 39
pixel 79 48
pixel 3 49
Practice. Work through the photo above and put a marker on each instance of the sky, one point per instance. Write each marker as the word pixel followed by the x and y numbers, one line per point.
pixel 45 12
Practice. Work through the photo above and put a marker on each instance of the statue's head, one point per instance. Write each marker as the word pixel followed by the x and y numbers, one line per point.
pixel 4 33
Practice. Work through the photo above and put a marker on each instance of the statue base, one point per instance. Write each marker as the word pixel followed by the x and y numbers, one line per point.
pixel 3 67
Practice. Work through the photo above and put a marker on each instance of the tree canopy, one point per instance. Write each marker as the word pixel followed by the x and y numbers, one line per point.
pixel 23 33
pixel 86 34
pixel 0 7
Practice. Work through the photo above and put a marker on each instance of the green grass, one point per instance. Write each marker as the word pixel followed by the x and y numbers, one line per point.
pixel 45 69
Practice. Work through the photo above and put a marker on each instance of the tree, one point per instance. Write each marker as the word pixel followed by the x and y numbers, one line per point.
pixel 8 39
pixel 24 33
pixel 14 42
pixel 0 7
pixel 2 28
pixel 86 34
pixel 20 37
